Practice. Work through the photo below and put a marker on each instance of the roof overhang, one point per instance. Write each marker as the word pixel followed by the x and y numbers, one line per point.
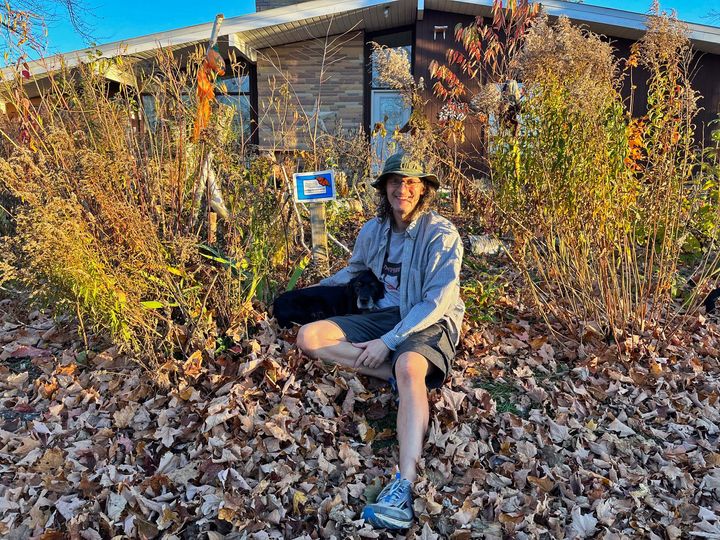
pixel 608 21
pixel 249 33
pixel 318 18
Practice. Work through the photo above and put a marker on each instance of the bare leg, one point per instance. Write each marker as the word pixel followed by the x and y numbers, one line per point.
pixel 325 341
pixel 413 411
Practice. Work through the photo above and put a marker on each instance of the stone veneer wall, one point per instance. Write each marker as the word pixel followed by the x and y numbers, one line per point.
pixel 342 89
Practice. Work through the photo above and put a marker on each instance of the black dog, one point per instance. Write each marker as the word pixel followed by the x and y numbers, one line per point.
pixel 302 306
pixel 710 301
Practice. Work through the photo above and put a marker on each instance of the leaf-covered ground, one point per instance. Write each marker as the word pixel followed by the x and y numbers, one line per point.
pixel 531 438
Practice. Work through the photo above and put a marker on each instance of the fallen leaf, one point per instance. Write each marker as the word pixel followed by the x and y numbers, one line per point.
pixel 192 367
pixel 299 499
pixel 115 506
pixel 620 428
pixel 583 525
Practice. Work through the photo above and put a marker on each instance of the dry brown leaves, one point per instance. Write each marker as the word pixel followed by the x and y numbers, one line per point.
pixel 525 441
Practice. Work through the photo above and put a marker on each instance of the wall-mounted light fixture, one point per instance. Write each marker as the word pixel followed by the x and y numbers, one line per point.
pixel 439 29
pixel 386 11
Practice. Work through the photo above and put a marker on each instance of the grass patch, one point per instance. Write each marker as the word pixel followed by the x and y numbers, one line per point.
pixel 505 396
pixel 562 370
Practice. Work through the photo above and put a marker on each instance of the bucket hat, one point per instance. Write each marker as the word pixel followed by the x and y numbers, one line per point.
pixel 405 165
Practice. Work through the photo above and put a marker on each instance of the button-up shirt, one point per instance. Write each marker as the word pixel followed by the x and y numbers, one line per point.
pixel 430 285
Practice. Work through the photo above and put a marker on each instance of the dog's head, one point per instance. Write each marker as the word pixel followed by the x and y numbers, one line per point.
pixel 367 290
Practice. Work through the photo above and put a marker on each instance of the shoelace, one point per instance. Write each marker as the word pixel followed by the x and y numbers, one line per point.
pixel 394 491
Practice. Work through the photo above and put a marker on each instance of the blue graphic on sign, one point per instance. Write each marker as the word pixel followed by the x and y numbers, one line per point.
pixel 314 186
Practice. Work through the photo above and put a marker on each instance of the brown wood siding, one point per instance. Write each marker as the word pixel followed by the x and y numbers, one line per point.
pixel 706 78
pixel 429 47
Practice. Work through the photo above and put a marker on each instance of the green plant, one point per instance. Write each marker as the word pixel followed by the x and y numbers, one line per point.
pixel 109 220
pixel 487 58
pixel 599 206
pixel 481 292
pixel 115 201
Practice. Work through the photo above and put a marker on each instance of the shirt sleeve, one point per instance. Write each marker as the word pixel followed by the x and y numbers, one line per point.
pixel 357 262
pixel 440 289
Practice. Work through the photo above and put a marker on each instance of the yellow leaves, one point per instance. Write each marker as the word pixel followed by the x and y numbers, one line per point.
pixel 299 499
pixel 192 367
pixel 226 514
pixel 637 150
pixel 632 60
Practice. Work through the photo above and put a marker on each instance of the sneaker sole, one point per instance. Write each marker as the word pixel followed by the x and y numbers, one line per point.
pixel 385 522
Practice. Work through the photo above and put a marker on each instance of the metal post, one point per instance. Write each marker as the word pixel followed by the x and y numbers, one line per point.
pixel 319 237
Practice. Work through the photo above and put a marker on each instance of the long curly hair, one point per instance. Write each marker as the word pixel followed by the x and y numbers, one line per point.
pixel 425 204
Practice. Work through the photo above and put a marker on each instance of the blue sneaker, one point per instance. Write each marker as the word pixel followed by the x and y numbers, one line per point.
pixel 393 507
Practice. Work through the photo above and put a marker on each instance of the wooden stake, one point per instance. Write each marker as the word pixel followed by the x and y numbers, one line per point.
pixel 318 232
pixel 212 228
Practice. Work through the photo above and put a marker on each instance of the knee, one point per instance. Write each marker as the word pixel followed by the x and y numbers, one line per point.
pixel 410 368
pixel 307 338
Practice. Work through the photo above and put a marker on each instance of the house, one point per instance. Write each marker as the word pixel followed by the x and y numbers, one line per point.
pixel 320 49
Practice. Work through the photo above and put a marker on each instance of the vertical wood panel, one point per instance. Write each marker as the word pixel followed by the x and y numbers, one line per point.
pixel 429 49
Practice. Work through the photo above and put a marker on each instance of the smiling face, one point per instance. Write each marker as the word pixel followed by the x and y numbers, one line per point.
pixel 403 193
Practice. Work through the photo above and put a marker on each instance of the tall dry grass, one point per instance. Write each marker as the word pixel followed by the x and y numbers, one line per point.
pixel 109 215
pixel 601 206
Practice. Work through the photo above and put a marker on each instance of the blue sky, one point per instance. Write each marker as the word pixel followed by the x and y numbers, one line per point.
pixel 111 20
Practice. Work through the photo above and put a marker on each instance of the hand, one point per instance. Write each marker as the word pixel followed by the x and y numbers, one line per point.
pixel 374 353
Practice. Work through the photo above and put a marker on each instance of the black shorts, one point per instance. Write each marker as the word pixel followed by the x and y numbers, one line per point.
pixel 433 343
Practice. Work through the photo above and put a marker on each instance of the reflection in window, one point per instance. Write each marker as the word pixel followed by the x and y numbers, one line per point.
pixel 150 111
pixel 235 92
pixel 232 92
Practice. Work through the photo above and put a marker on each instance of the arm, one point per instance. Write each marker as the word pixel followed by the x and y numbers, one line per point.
pixel 355 265
pixel 440 289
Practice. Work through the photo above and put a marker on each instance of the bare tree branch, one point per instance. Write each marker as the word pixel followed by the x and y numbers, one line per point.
pixel 25 22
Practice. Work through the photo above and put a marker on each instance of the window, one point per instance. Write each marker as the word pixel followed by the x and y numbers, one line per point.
pixel 234 91
pixel 387 108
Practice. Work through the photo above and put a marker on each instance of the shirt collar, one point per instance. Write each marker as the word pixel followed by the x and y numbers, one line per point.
pixel 411 230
